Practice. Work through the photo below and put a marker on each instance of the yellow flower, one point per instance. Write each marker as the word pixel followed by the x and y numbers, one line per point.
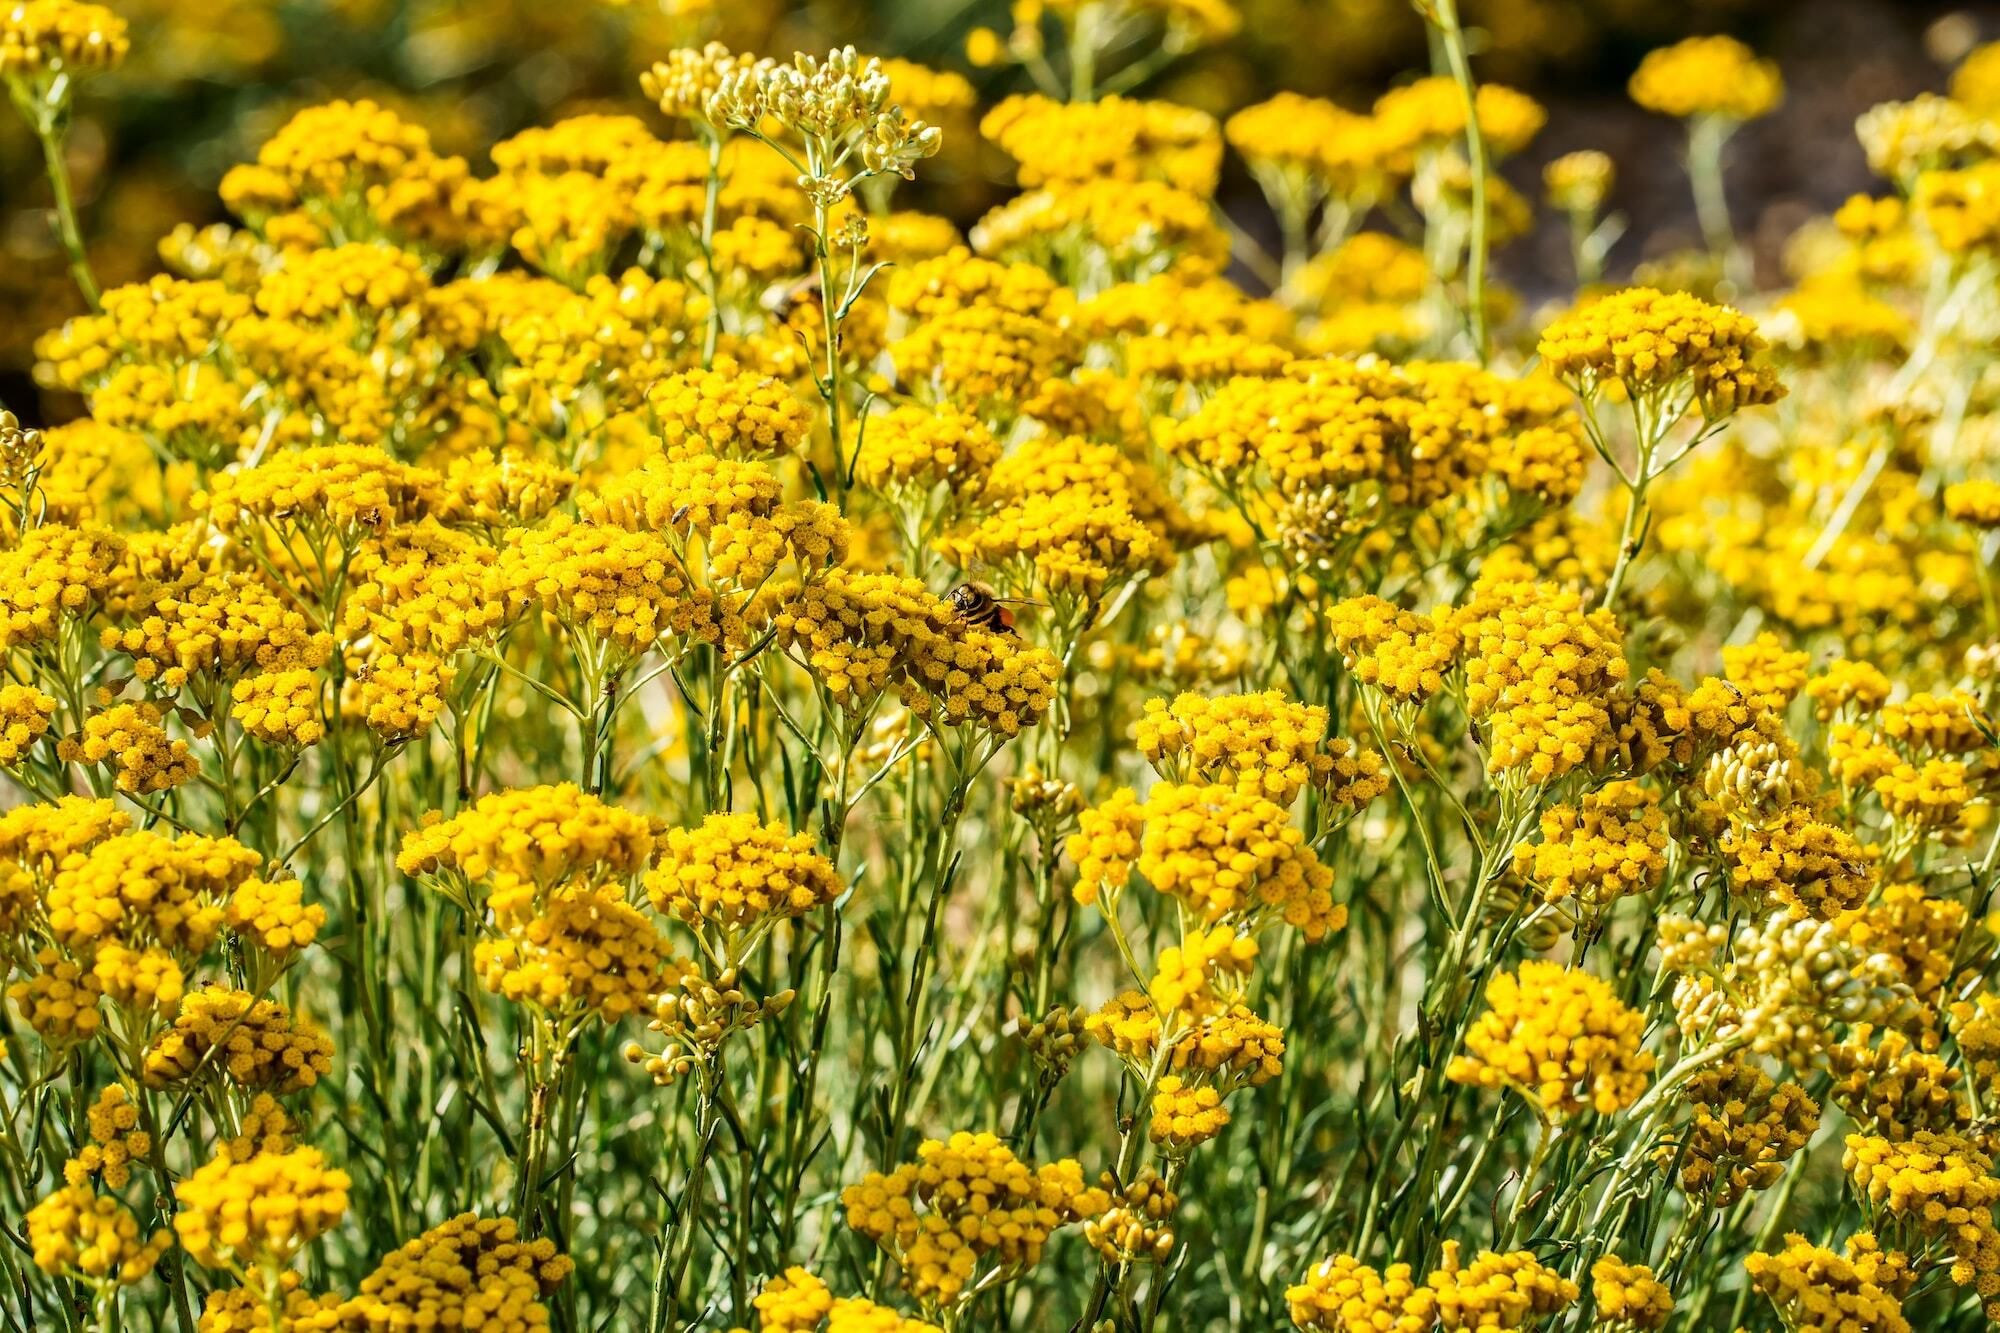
pixel 1630 1292
pixel 965 1214
pixel 1559 1036
pixel 1343 1295
pixel 44 38
pixel 465 1271
pixel 80 1234
pixel 1497 1290
pixel 1860 1289
pixel 1707 76
pixel 737 874
pixel 1657 342
pixel 256 1044
pixel 261 1211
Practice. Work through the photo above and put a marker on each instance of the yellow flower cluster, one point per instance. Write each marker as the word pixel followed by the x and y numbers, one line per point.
pixel 58 1000
pixel 1230 858
pixel 1343 1295
pixel 1510 1290
pixel 582 949
pixel 1657 344
pixel 1261 744
pixel 967 1213
pixel 1888 1086
pixel 141 887
pixel 861 634
pixel 41 38
pixel 25 714
pixel 116 1141
pixel 1941 1187
pixel 129 738
pixel 1630 1293
pixel 1539 671
pixel 1559 1037
pixel 280 708
pixel 93 1238
pixel 736 873
pixel 469 1271
pixel 1185 1115
pixel 221 626
pixel 1402 653
pixel 1798 860
pixel 920 448
pixel 1112 139
pixel 531 838
pixel 1611 843
pixel 734 414
pixel 1707 76
pixel 1744 1129
pixel 246 1215
pixel 1858 1290
pixel 56 575
pixel 273 916
pixel 795 1301
pixel 256 1044
pixel 1429 113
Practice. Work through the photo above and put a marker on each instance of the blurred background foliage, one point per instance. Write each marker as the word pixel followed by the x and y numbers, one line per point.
pixel 209 80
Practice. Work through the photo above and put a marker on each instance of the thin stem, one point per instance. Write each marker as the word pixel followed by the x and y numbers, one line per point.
pixel 1445 17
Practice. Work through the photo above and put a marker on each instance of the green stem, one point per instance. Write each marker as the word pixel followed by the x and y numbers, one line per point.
pixel 1445 16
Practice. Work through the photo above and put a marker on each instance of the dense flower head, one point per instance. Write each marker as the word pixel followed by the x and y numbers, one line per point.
pixel 742 414
pixel 1343 1295
pixel 142 887
pixel 255 1044
pixel 1405 654
pixel 967 1208
pixel 581 949
pixel 280 708
pixel 1263 744
pixel 1630 1292
pixel 1887 1085
pixel 1744 1128
pixel 56 574
pixel 1707 76
pixel 1655 343
pixel 59 999
pixel 795 1301
pixel 1799 860
pixel 1856 1290
pixel 51 37
pixel 922 448
pixel 1512 1290
pixel 1540 671
pixel 1111 139
pixel 1559 1036
pixel 130 739
pixel 259 1211
pixel 861 634
pixel 116 1140
pixel 531 838
pixel 1429 113
pixel 736 872
pixel 341 488
pixel 1611 843
pixel 1941 1185
pixel 76 1232
pixel 1229 857
pixel 468 1271
pixel 221 626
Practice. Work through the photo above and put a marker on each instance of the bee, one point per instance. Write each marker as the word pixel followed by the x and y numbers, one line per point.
pixel 980 607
